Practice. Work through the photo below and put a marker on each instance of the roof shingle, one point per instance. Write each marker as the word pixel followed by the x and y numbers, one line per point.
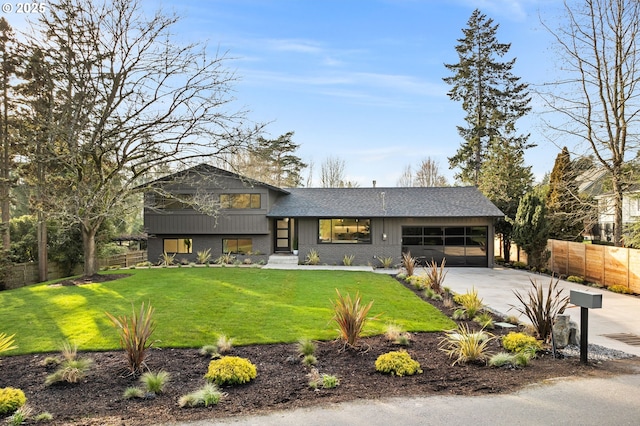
pixel 385 202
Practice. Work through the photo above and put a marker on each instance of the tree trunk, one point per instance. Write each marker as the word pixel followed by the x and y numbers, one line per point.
pixel 506 248
pixel 617 213
pixel 89 244
pixel 43 253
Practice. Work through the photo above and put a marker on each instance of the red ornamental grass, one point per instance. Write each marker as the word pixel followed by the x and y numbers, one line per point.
pixel 135 334
pixel 351 317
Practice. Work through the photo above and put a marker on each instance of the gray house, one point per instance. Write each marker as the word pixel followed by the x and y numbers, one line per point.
pixel 250 218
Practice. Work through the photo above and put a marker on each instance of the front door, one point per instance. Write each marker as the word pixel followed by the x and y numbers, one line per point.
pixel 283 235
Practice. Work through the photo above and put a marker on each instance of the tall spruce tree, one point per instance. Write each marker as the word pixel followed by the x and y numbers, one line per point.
pixel 531 229
pixel 505 179
pixel 492 97
pixel 564 210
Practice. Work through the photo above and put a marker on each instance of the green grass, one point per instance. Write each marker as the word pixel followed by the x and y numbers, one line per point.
pixel 194 305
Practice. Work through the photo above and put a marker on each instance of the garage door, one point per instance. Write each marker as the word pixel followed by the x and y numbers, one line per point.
pixel 459 245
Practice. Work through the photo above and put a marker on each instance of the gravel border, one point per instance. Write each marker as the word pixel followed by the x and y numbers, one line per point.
pixel 595 353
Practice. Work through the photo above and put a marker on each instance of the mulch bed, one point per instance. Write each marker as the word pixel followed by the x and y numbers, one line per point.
pixel 282 381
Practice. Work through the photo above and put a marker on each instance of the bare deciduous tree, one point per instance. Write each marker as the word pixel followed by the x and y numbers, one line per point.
pixel 598 92
pixel 332 174
pixel 128 100
pixel 428 174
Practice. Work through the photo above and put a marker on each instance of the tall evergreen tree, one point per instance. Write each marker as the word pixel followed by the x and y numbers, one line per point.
pixel 283 167
pixel 531 229
pixel 8 64
pixel 492 97
pixel 505 179
pixel 563 203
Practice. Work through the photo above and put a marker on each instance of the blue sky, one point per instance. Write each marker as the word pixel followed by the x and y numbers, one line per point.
pixel 361 80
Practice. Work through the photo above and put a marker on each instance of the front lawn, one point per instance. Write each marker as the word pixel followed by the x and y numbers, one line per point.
pixel 194 305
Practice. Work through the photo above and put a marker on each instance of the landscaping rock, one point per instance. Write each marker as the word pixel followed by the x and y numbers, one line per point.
pixel 565 331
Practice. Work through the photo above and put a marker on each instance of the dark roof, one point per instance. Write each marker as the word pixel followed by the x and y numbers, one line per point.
pixel 385 202
pixel 206 169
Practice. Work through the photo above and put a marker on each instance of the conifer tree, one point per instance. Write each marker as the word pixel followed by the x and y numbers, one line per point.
pixel 563 203
pixel 492 97
pixel 531 229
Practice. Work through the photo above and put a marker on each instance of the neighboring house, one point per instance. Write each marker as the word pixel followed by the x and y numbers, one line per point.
pixel 592 183
pixel 257 220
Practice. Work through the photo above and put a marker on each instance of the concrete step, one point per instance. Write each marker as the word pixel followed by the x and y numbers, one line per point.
pixel 283 259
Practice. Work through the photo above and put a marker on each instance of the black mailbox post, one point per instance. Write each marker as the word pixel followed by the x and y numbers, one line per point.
pixel 586 300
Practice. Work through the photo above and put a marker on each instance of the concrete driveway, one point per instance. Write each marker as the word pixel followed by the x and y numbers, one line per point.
pixel 619 313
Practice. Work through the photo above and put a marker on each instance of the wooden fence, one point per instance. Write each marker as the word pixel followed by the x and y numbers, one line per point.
pixel 22 274
pixel 604 265
pixel 130 258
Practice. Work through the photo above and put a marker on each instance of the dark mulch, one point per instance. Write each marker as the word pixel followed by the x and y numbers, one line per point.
pixel 282 381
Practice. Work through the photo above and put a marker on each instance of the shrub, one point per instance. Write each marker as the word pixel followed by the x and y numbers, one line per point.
pixel 542 310
pixel 209 350
pixel 10 400
pixel 155 382
pixel 313 258
pixel 418 282
pixel 309 360
pixel 330 381
pixel 70 371
pixel 326 381
pixel 430 293
pixel 575 279
pixel 133 392
pixel 224 343
pixel 397 363
pixel 44 417
pixel 385 262
pixel 470 301
pixel 167 259
pixel 208 395
pixel 135 336
pixel 203 256
pixel 408 263
pixel 436 275
pixel 350 316
pixel 20 416
pixel 394 333
pixel 465 345
pixel 485 319
pixel 620 289
pixel 306 347
pixel 6 342
pixel 226 259
pixel 519 342
pixel 230 370
pixel 501 359
pixel 347 260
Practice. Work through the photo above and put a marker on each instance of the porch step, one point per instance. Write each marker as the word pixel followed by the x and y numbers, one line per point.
pixel 283 259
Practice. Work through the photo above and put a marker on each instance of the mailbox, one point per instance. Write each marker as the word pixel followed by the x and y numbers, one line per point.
pixel 586 299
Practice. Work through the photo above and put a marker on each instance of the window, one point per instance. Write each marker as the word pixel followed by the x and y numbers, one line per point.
pixel 240 201
pixel 177 245
pixel 180 202
pixel 237 245
pixel 344 230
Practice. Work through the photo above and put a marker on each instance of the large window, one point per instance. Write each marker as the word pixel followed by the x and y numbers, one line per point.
pixel 350 230
pixel 459 245
pixel 177 245
pixel 237 245
pixel 240 201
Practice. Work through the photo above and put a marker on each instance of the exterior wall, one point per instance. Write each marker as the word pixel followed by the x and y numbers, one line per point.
pixel 630 214
pixel 261 247
pixel 365 254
